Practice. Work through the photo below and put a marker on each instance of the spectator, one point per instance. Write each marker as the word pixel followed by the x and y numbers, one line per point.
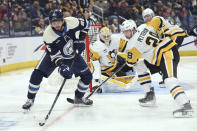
pixel 83 3
pixel 39 30
pixel 123 6
pixel 3 10
pixel 16 23
pixel 37 11
pixel 74 11
pixel 46 10
pixel 101 4
pixel 65 6
pixel 66 14
pixel 174 19
pixel 167 12
pixel 188 18
pixel 177 8
pixel 3 30
pixel 114 27
pixel 25 22
pixel 106 23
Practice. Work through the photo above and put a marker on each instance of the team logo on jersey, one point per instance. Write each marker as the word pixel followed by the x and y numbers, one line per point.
pixel 68 48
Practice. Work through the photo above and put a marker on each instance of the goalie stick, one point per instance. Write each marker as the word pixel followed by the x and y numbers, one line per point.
pixel 97 87
pixel 42 123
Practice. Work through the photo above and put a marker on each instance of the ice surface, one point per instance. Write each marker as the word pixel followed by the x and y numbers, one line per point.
pixel 110 112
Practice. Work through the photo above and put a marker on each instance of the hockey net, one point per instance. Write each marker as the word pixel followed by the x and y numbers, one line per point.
pixel 55 80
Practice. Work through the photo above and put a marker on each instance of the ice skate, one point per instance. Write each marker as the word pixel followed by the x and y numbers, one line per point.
pixel 185 111
pixel 28 104
pixel 149 99
pixel 82 101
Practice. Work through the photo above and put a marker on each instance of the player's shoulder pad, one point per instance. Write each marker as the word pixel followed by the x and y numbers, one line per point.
pixel 49 35
pixel 156 22
pixel 141 27
pixel 71 22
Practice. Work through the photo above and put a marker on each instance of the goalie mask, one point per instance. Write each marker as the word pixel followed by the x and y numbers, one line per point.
pixel 128 28
pixel 148 14
pixel 105 35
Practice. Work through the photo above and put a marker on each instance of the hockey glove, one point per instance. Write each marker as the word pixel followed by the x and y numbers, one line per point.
pixel 65 71
pixel 79 45
pixel 121 58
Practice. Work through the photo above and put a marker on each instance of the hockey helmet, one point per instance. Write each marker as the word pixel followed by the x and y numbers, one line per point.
pixel 55 15
pixel 105 35
pixel 148 11
pixel 128 25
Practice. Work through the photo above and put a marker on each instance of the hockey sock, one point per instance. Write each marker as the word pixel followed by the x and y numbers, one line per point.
pixel 79 94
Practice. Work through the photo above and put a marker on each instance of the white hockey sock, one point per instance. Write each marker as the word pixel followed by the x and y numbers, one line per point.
pixel 176 90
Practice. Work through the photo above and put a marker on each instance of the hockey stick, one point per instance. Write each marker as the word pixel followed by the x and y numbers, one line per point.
pixel 57 96
pixel 97 87
pixel 54 102
pixel 37 48
pixel 188 43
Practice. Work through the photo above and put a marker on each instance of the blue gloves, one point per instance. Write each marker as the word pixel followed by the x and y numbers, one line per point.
pixel 65 71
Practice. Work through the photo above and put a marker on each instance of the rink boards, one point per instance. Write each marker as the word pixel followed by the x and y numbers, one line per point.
pixel 17 53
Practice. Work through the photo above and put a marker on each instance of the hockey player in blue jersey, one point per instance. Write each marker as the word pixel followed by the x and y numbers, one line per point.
pixel 64 39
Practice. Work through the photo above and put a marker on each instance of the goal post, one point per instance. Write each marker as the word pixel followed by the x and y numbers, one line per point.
pixel 91 37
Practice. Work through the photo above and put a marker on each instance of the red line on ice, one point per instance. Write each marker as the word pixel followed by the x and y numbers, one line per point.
pixel 58 118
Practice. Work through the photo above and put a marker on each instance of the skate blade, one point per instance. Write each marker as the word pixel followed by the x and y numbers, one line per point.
pixel 82 105
pixel 185 114
pixel 26 111
pixel 148 104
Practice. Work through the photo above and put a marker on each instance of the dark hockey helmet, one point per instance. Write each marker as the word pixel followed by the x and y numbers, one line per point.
pixel 55 15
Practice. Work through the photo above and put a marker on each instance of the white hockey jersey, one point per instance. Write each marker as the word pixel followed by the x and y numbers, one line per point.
pixel 165 29
pixel 146 43
pixel 106 55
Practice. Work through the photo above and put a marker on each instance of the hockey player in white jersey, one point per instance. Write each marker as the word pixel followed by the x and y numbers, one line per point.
pixel 64 40
pixel 129 28
pixel 103 54
pixel 161 55
pixel 164 28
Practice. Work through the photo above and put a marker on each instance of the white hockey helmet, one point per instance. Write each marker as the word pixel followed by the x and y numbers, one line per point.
pixel 105 35
pixel 128 25
pixel 148 11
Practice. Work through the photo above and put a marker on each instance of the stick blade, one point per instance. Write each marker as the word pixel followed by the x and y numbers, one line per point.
pixel 41 124
pixel 70 100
